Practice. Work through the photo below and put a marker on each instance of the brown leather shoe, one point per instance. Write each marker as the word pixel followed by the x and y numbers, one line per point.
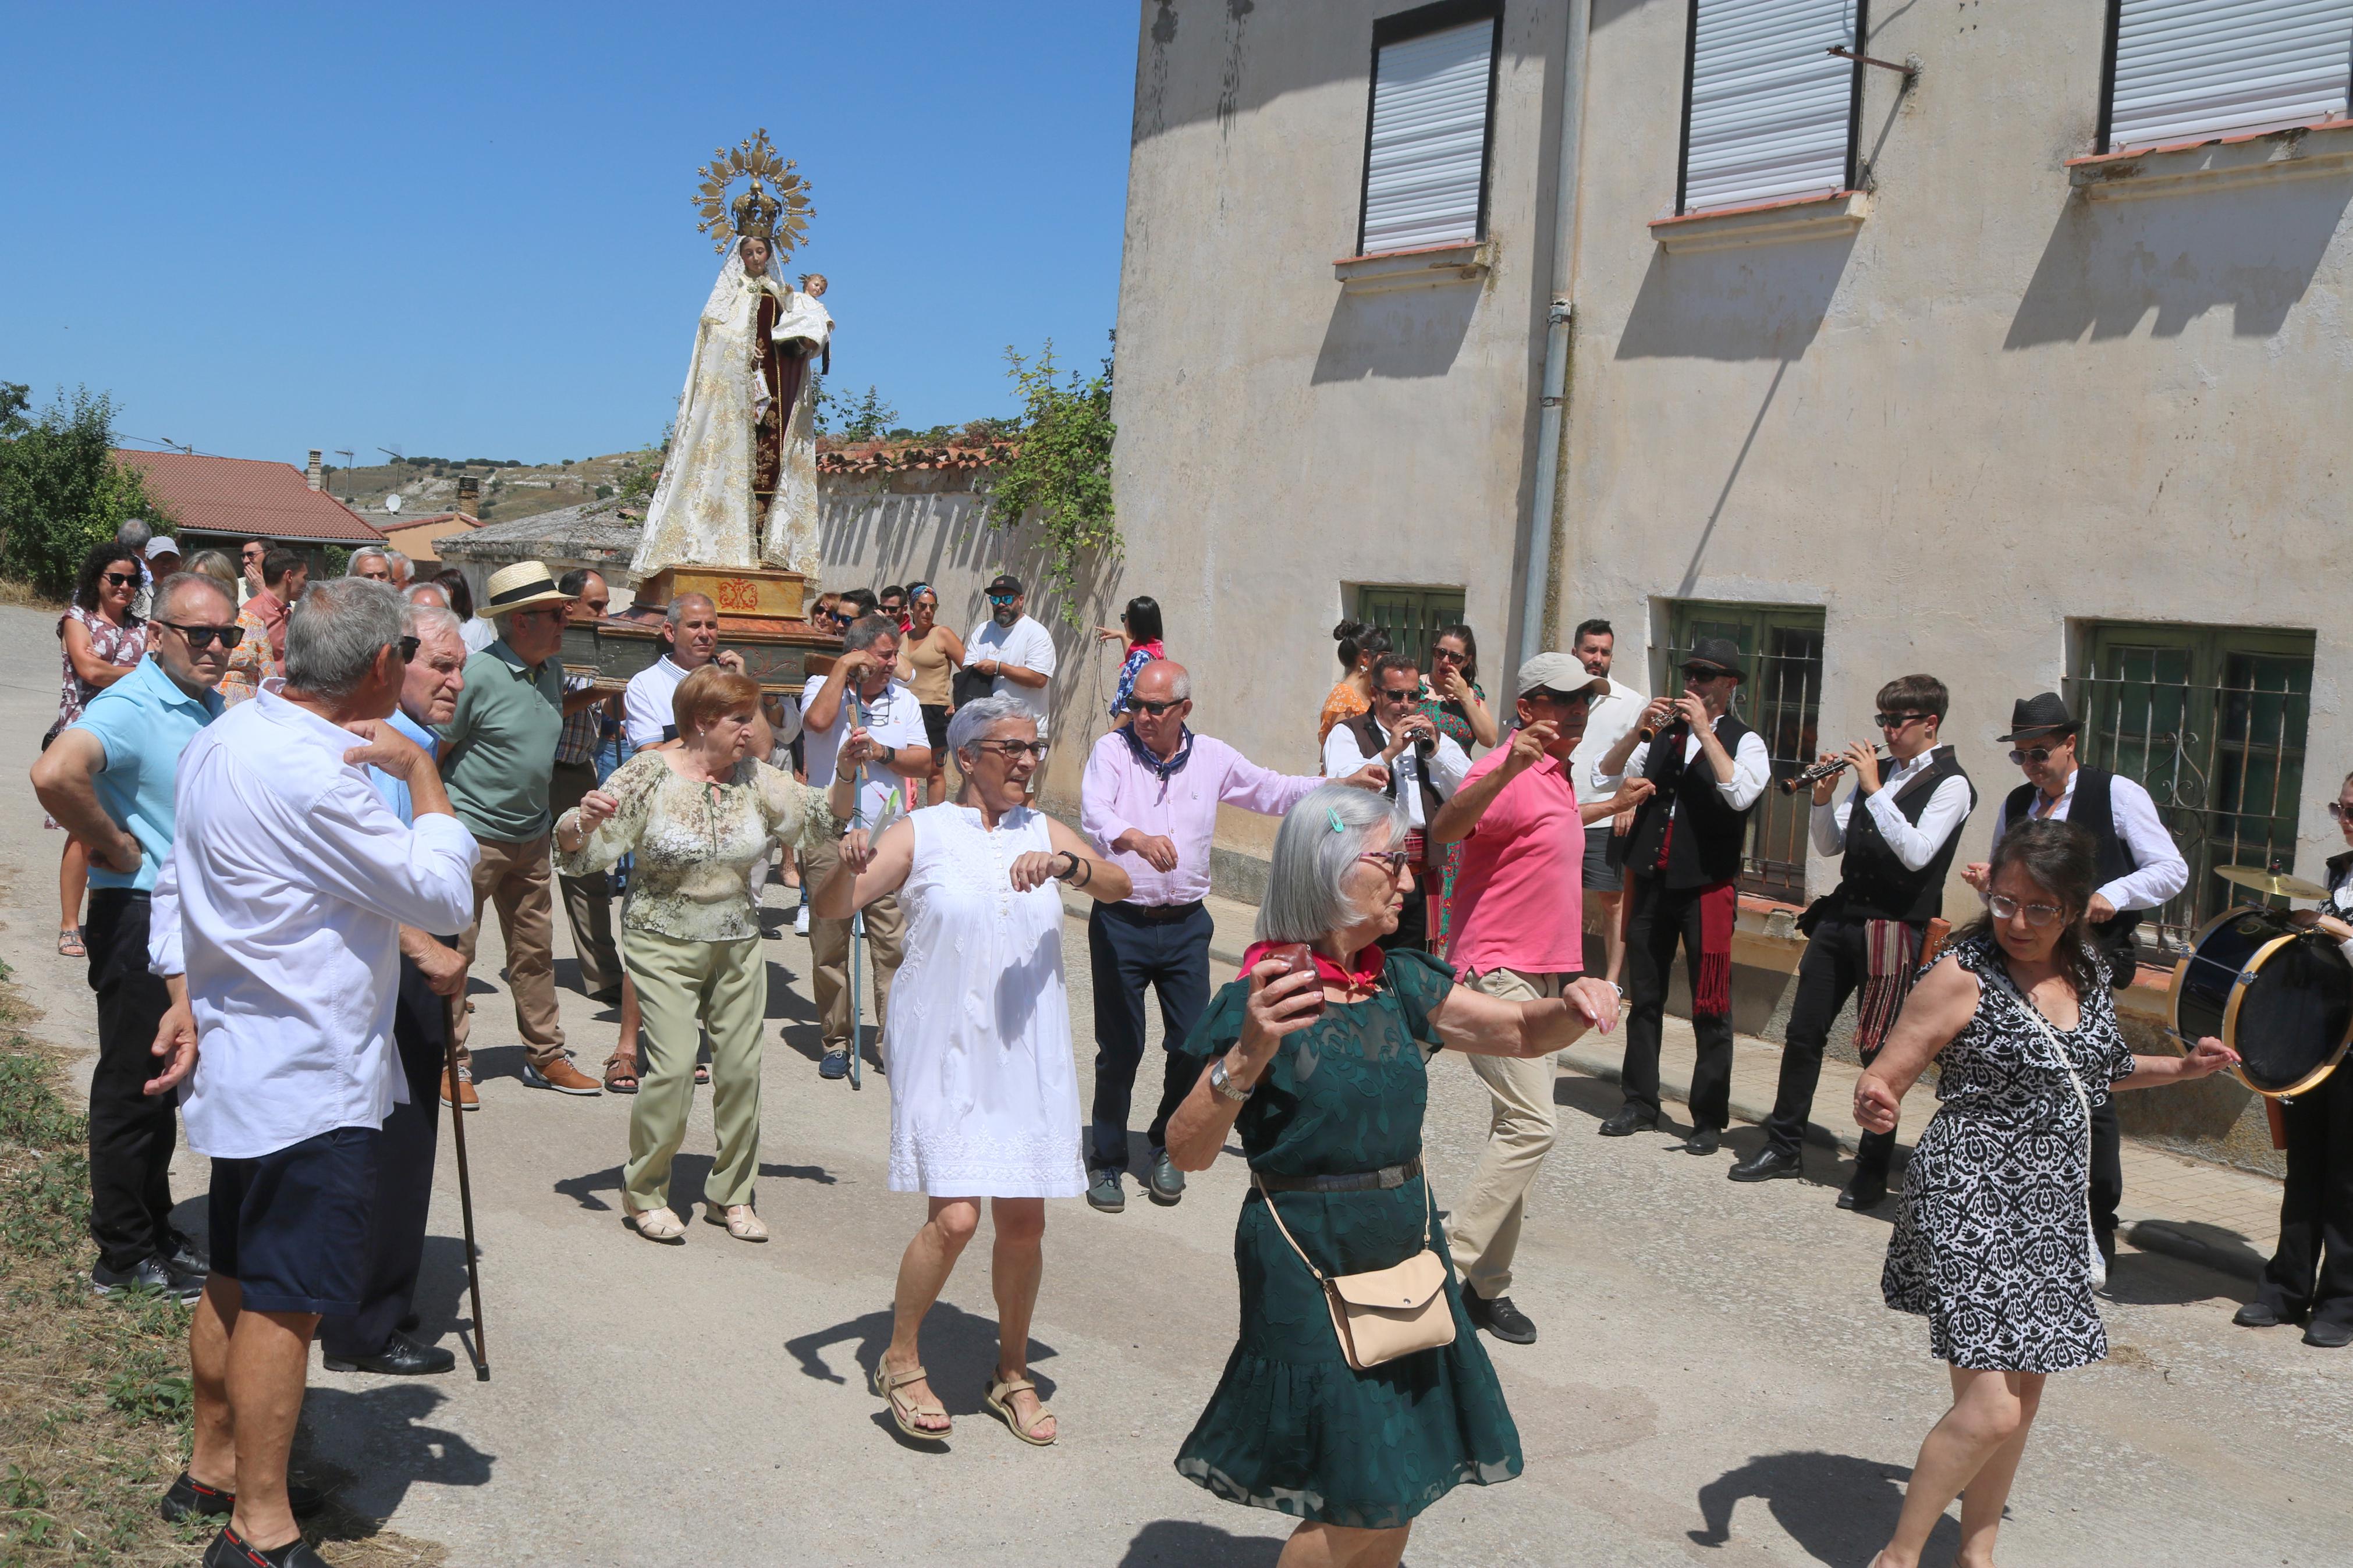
pixel 562 1077
pixel 466 1097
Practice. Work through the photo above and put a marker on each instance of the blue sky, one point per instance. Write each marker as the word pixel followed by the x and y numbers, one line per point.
pixel 465 231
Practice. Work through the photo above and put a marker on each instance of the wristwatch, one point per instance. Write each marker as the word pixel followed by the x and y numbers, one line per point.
pixel 890 755
pixel 1224 1086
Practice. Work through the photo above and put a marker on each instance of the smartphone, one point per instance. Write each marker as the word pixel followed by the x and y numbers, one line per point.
pixel 1297 958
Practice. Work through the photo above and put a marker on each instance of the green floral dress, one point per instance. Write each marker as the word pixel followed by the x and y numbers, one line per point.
pixel 1291 1425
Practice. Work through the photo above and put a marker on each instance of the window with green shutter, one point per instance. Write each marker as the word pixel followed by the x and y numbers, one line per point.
pixel 1782 645
pixel 1412 616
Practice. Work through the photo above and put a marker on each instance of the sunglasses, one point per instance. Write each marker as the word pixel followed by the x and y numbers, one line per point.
pixel 1576 698
pixel 1895 720
pixel 122 579
pixel 1411 694
pixel 2039 755
pixel 1393 861
pixel 1013 751
pixel 2336 809
pixel 1155 709
pixel 2038 916
pixel 1001 599
pixel 202 637
pixel 407 648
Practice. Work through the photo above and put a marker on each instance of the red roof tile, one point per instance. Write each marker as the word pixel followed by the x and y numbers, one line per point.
pixel 248 496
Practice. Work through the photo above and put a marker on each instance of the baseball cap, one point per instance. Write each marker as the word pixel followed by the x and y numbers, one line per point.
pixel 159 548
pixel 1558 672
pixel 1003 583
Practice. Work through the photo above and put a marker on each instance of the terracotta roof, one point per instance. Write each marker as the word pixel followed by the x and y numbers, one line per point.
pixel 248 496
pixel 900 457
pixel 392 528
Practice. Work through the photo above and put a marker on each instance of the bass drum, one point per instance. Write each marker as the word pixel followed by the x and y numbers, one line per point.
pixel 2280 997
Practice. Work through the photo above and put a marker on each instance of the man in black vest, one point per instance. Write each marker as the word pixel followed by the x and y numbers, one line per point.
pixel 1683 856
pixel 2139 868
pixel 1898 835
pixel 1425 770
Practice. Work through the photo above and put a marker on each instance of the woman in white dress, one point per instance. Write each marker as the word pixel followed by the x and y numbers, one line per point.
pixel 983 1095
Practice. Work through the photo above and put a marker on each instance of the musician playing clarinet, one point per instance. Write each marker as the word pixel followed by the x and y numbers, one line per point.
pixel 2310 1278
pixel 2139 868
pixel 1684 859
pixel 1898 832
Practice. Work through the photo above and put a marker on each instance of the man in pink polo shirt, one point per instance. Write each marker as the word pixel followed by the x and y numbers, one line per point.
pixel 1519 933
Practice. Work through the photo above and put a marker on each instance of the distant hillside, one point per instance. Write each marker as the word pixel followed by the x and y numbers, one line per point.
pixel 509 490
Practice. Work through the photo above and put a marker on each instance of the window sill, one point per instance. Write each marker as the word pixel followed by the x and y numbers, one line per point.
pixel 2300 151
pixel 1767 223
pixel 1466 261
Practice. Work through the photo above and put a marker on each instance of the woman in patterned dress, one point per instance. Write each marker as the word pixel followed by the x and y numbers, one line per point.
pixel 1454 700
pixel 100 641
pixel 984 1093
pixel 1139 628
pixel 1994 1243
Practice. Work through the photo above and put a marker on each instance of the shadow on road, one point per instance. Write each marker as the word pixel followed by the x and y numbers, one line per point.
pixel 959 1347
pixel 1185 1543
pixel 375 1436
pixel 1840 1510
pixel 687 1172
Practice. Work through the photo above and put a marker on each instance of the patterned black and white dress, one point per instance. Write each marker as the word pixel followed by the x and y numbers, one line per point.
pixel 1993 1242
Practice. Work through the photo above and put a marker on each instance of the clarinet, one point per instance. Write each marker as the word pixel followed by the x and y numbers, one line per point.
pixel 1806 777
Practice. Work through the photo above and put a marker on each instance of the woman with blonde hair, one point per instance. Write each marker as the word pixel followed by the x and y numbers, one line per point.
pixel 699 817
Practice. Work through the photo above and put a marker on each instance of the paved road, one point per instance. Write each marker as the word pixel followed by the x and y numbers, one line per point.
pixel 1716 1381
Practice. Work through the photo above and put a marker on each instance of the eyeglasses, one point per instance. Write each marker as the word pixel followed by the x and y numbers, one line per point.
pixel 405 647
pixel 2336 809
pixel 1895 720
pixel 202 637
pixel 1155 709
pixel 2039 755
pixel 122 579
pixel 1577 699
pixel 1393 861
pixel 2038 916
pixel 1013 751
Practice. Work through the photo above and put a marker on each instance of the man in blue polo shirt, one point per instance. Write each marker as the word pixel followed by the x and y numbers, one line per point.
pixel 107 779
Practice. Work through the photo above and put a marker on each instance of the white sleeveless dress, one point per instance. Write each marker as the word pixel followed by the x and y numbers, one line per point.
pixel 984 1092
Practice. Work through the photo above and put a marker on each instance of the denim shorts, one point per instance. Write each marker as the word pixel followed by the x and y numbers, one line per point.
pixel 291 1226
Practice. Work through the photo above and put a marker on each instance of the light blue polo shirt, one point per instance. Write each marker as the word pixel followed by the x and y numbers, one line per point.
pixel 144 720
pixel 393 791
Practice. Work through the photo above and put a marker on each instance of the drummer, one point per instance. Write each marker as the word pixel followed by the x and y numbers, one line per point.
pixel 2139 868
pixel 2310 1278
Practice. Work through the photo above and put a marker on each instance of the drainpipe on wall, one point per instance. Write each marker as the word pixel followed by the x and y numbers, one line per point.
pixel 1551 416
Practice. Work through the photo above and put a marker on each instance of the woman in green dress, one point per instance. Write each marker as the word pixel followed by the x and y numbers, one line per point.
pixel 1323 1077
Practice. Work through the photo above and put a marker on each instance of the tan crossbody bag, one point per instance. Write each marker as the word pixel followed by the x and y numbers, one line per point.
pixel 1388 1312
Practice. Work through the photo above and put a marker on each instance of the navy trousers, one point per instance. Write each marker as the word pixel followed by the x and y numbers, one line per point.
pixel 1130 949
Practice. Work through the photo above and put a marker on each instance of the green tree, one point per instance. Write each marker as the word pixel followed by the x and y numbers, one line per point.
pixel 61 490
pixel 642 469
pixel 1061 466
pixel 863 418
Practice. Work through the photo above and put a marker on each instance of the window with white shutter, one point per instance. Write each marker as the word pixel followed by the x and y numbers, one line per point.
pixel 1768 113
pixel 2181 70
pixel 1430 126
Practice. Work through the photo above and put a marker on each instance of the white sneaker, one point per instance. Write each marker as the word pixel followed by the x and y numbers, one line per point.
pixel 800 921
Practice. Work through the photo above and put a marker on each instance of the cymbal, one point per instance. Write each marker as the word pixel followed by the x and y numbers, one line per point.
pixel 2277 884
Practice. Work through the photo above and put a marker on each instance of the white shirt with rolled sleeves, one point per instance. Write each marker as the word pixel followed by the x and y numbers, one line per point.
pixel 1915 844
pixel 1025 643
pixel 1119 792
pixel 646 706
pixel 1448 764
pixel 2159 872
pixel 1605 723
pixel 281 902
pixel 894 719
pixel 1752 770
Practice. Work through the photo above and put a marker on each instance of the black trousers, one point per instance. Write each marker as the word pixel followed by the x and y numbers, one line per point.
pixel 1660 917
pixel 403 1178
pixel 2314 1266
pixel 132 1133
pixel 1126 956
pixel 2108 1175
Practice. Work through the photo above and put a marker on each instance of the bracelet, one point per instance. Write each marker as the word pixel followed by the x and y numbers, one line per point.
pixel 1074 871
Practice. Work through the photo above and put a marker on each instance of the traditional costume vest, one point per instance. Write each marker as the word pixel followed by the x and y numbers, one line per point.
pixel 1873 883
pixel 1708 837
pixel 2092 810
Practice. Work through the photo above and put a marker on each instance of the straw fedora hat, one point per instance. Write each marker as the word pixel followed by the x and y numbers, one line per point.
pixel 519 586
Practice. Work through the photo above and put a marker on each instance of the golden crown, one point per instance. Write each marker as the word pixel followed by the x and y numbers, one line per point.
pixel 774 207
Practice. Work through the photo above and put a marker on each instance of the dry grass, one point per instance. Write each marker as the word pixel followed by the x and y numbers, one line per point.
pixel 94 1402
pixel 25 596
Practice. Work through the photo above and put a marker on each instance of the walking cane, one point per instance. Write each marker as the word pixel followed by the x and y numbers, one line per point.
pixel 479 1352
pixel 856 918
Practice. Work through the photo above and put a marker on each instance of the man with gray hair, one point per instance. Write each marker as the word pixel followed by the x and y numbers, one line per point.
pixel 860 714
pixel 370 562
pixel 430 595
pixel 277 931
pixel 403 569
pixel 133 537
pixel 1150 800
pixel 690 631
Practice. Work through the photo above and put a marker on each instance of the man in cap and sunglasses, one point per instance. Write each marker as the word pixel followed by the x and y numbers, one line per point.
pixel 2139 867
pixel 1519 933
pixel 1683 856
pixel 1014 651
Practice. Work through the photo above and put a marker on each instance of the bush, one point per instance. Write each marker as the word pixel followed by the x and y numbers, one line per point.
pixel 61 490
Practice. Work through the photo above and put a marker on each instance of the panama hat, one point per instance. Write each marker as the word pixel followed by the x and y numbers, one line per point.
pixel 520 586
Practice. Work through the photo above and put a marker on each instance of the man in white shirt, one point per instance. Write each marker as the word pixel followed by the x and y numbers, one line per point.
pixel 277 928
pixel 2140 868
pixel 1425 769
pixel 690 633
pixel 1015 652
pixel 1610 719
pixel 1684 856
pixel 857 716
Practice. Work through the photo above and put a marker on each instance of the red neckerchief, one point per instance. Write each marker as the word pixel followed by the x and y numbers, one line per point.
pixel 1360 973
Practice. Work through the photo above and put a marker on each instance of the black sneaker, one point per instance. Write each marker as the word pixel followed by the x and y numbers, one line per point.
pixel 1499 1318
pixel 2328 1336
pixel 230 1551
pixel 2261 1314
pixel 152 1274
pixel 189 1498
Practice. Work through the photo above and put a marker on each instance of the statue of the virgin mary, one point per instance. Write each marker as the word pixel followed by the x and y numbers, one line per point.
pixel 739 486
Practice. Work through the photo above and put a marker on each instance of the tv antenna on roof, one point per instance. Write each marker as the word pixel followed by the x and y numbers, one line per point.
pixel 345 454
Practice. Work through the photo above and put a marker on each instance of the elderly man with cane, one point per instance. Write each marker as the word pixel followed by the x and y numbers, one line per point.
pixel 1150 799
pixel 277 930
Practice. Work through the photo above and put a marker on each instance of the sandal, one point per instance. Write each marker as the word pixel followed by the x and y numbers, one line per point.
pixel 69 944
pixel 620 1074
pixel 656 1225
pixel 742 1223
pixel 905 1408
pixel 702 1072
pixel 1001 1391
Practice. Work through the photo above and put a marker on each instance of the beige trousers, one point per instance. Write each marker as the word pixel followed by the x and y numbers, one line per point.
pixel 886 935
pixel 1483 1229
pixel 685 988
pixel 516 877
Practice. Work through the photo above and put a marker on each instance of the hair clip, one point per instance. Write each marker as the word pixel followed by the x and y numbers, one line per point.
pixel 1331 814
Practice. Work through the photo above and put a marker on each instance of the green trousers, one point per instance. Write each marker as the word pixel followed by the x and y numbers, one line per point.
pixel 683 989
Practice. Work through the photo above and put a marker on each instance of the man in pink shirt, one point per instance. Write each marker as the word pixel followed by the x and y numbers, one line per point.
pixel 1519 933
pixel 1150 798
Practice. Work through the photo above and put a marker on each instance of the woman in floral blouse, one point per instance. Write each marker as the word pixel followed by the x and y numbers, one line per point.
pixel 699 817
pixel 100 641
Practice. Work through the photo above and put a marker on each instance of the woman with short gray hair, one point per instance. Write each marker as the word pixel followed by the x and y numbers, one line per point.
pixel 984 1094
pixel 1317 1054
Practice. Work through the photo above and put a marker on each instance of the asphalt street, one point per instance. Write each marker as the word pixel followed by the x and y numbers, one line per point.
pixel 1716 1381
